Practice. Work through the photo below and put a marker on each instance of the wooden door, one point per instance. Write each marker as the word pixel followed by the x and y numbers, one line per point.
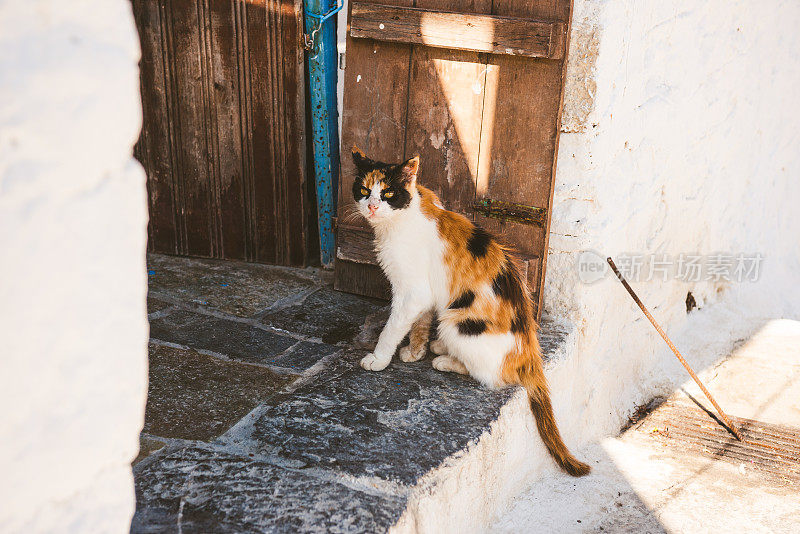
pixel 475 88
pixel 223 138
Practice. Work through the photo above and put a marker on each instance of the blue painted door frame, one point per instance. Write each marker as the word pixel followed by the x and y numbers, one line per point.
pixel 320 26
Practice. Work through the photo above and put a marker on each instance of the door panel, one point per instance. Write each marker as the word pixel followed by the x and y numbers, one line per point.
pixel 223 137
pixel 484 118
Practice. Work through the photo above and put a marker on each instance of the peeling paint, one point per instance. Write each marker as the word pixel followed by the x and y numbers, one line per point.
pixel 580 85
pixel 436 140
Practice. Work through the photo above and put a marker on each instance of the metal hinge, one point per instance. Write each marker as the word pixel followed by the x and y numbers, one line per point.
pixel 510 211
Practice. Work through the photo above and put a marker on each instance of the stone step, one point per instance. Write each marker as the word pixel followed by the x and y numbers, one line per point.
pixel 407 449
pixel 259 418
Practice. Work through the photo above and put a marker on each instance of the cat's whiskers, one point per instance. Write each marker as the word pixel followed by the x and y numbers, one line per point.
pixel 350 214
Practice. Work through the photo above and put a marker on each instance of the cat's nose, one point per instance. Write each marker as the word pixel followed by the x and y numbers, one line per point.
pixel 372 209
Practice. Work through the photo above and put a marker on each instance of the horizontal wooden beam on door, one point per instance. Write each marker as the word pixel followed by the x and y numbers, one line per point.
pixel 355 244
pixel 510 211
pixel 458 31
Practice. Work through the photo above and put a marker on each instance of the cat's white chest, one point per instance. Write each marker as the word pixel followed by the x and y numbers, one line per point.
pixel 410 253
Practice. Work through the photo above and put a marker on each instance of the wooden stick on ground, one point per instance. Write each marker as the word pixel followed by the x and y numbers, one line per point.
pixel 731 426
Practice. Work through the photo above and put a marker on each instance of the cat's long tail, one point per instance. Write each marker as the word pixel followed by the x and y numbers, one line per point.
pixel 527 366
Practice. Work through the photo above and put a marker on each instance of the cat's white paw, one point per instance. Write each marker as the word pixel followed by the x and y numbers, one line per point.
pixel 437 347
pixel 370 362
pixel 407 356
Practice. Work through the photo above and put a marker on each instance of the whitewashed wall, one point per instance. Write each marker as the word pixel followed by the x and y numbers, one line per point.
pixel 680 136
pixel 73 214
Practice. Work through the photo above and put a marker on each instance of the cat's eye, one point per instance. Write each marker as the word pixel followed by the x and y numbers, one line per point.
pixel 388 194
pixel 365 191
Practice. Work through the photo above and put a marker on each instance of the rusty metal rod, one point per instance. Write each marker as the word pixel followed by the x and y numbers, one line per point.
pixel 722 414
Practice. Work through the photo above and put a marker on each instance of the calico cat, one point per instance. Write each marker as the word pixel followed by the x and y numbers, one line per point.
pixel 440 262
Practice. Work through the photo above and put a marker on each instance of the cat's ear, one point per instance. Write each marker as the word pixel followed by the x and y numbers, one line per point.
pixel 360 159
pixel 409 171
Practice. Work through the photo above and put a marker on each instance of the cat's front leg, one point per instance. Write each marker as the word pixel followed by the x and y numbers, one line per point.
pixel 418 339
pixel 405 311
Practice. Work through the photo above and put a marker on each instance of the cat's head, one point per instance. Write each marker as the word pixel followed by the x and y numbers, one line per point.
pixel 382 190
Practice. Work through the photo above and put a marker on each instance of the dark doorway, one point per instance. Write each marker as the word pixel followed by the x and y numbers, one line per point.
pixel 223 139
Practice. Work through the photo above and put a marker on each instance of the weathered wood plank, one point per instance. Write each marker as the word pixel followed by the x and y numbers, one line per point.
pixel 445 107
pixel 190 125
pixel 223 136
pixel 154 148
pixel 458 31
pixel 245 99
pixel 520 134
pixel 258 113
pixel 361 279
pixel 374 118
pixel 355 244
pixel 226 131
pixel 288 64
pixel 509 211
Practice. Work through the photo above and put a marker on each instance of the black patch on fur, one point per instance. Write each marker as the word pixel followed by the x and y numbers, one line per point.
pixel 401 198
pixel 393 180
pixel 357 195
pixel 507 285
pixel 361 162
pixel 503 284
pixel 519 324
pixel 464 301
pixel 478 242
pixel 471 327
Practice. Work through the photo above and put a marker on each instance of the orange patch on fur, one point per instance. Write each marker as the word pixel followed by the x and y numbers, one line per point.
pixel 468 272
pixel 420 332
pixel 372 178
pixel 502 302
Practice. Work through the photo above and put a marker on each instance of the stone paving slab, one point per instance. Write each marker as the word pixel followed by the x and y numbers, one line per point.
pixel 236 340
pixel 198 397
pixel 551 335
pixel 205 489
pixel 303 356
pixel 155 304
pixel 326 314
pixel 147 446
pixel 395 425
pixel 237 288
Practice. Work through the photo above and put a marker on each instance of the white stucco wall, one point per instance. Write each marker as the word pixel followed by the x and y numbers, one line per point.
pixel 680 136
pixel 72 278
